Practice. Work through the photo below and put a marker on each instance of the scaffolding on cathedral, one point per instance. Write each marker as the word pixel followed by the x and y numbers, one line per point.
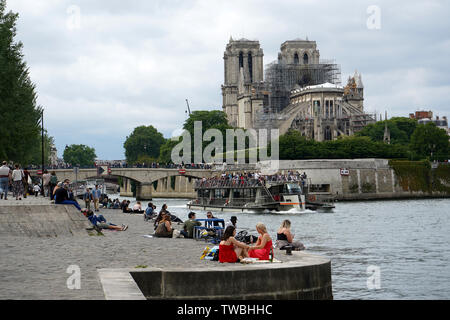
pixel 281 78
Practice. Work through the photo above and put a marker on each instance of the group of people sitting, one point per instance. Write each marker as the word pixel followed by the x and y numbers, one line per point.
pixel 137 207
pixel 232 250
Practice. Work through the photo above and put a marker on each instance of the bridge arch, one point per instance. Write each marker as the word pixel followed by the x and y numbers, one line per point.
pixel 144 178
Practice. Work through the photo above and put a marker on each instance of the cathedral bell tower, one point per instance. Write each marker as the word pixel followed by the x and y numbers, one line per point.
pixel 245 54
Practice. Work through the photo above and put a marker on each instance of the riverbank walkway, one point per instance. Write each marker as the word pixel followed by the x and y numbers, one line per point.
pixel 41 267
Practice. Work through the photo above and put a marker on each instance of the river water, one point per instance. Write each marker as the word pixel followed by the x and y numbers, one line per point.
pixel 378 249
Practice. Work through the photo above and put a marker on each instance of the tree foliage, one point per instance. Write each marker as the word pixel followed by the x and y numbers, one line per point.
pixel 400 128
pixel 295 146
pixel 429 141
pixel 143 141
pixel 213 119
pixel 79 155
pixel 36 150
pixel 19 113
pixel 165 152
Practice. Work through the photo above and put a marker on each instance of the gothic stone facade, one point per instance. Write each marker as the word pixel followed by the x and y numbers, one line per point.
pixel 321 111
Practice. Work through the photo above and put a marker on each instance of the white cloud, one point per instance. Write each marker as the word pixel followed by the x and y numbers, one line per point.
pixel 134 63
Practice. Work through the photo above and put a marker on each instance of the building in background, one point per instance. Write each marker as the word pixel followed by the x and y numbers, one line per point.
pixel 424 117
pixel 300 91
pixel 53 156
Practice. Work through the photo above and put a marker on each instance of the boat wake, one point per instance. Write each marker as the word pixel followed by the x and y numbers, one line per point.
pixel 292 211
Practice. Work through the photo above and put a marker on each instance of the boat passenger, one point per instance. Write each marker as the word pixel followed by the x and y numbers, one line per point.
pixel 263 245
pixel 286 238
pixel 231 250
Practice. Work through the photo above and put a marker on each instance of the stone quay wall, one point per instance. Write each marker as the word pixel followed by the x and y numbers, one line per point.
pixel 303 277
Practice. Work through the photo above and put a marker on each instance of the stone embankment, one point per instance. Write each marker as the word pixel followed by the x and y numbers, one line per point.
pixel 42 265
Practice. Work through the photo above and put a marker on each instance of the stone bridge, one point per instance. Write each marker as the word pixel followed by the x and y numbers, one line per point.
pixel 150 182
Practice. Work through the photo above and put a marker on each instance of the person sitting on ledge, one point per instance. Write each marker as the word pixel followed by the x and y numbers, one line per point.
pixel 137 208
pixel 149 212
pixel 100 222
pixel 286 238
pixel 160 215
pixel 164 228
pixel 232 222
pixel 231 250
pixel 188 226
pixel 263 245
pixel 211 224
pixel 125 208
pixel 62 196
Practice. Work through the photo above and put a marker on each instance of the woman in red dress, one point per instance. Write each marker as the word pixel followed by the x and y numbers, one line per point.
pixel 263 246
pixel 230 249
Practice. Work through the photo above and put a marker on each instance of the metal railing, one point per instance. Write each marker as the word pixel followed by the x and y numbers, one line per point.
pixel 246 182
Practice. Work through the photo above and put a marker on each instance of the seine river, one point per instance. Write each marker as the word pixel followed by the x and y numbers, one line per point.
pixel 378 249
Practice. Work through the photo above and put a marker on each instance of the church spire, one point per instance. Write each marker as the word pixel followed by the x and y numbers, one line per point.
pixel 387 132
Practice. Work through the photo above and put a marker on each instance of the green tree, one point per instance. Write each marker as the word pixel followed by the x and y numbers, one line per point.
pixel 295 146
pixel 214 119
pixel 36 151
pixel 79 155
pixel 19 114
pixel 400 128
pixel 165 152
pixel 143 141
pixel 429 141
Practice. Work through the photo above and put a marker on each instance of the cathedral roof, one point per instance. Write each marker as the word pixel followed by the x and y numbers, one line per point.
pixel 324 85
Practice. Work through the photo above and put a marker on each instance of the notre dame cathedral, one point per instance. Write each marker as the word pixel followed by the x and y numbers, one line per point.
pixel 299 91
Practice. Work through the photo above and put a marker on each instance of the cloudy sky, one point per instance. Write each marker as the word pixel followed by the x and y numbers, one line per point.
pixel 103 67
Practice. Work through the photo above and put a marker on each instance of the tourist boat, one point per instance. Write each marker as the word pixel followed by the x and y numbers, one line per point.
pixel 258 195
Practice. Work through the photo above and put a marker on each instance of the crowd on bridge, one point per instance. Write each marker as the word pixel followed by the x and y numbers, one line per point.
pixel 124 164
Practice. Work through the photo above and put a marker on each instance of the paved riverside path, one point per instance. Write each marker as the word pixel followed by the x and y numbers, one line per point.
pixel 36 267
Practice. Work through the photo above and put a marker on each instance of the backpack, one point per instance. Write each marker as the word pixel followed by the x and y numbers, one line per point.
pixel 53 180
pixel 216 255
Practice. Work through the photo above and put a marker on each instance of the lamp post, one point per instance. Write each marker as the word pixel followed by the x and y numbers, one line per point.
pixel 42 133
pixel 42 146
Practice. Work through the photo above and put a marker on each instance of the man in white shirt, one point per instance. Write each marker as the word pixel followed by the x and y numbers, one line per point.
pixel 232 222
pixel 5 178
pixel 36 189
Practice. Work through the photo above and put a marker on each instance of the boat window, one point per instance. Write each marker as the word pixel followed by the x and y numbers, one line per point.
pixel 237 193
pixel 292 188
pixel 221 193
pixel 204 193
pixel 249 193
